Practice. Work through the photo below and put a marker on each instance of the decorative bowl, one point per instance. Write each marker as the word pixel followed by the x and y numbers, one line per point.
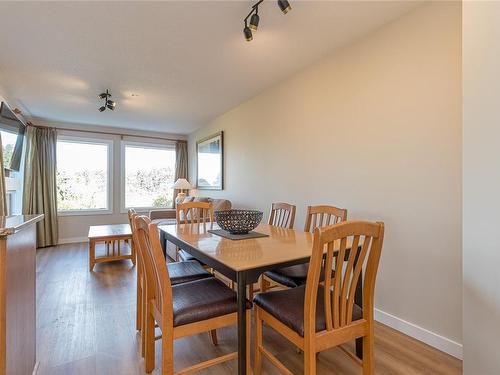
pixel 238 221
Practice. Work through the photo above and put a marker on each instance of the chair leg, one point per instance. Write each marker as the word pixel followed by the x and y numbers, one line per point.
pixel 309 360
pixel 258 344
pixel 368 360
pixel 149 341
pixel 138 317
pixel 167 356
pixel 213 337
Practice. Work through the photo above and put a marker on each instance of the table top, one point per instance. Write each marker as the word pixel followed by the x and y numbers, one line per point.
pixel 282 245
pixel 105 231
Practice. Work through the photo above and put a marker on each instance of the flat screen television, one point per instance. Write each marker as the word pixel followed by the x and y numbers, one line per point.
pixel 11 123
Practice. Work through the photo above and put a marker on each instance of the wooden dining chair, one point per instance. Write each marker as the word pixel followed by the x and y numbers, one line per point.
pixel 293 276
pixel 316 317
pixel 188 309
pixel 180 272
pixel 282 215
pixel 200 213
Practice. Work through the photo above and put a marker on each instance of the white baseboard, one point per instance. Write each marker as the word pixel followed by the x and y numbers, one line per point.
pixel 63 241
pixel 430 338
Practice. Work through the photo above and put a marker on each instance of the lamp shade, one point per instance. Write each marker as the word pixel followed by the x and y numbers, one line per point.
pixel 182 183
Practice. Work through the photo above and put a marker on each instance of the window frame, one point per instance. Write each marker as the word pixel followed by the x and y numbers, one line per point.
pixel 123 145
pixel 92 141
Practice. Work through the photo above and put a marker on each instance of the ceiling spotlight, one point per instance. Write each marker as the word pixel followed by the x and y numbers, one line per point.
pixel 107 102
pixel 254 20
pixel 284 6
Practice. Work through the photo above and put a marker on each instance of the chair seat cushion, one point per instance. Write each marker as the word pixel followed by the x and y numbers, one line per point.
pixel 185 256
pixel 291 277
pixel 288 307
pixel 182 272
pixel 202 299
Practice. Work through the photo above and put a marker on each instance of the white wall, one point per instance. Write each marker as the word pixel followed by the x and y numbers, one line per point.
pixel 75 228
pixel 374 128
pixel 481 184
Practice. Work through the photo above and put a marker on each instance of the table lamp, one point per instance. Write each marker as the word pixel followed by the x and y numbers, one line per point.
pixel 181 184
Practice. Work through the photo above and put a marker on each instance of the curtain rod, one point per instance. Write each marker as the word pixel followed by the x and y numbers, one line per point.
pixel 110 133
pixel 18 111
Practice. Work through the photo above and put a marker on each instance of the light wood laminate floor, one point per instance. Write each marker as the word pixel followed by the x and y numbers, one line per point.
pixel 86 326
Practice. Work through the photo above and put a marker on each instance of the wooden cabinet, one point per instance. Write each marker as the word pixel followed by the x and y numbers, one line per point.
pixel 18 294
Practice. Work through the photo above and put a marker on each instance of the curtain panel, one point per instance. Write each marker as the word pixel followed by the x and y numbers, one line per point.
pixel 3 192
pixel 40 193
pixel 181 164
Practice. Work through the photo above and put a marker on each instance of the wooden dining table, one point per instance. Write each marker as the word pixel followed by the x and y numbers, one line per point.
pixel 242 261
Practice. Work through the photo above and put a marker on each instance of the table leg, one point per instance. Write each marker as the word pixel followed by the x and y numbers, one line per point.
pixel 242 329
pixel 91 254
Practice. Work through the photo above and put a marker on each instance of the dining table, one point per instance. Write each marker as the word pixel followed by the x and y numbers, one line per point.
pixel 244 260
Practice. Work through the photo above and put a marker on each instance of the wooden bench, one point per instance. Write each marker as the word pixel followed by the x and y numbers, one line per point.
pixel 111 235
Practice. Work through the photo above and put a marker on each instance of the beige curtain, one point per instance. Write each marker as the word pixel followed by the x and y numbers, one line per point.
pixel 181 163
pixel 40 194
pixel 3 193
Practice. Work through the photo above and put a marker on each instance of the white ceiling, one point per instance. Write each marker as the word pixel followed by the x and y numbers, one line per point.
pixel 187 60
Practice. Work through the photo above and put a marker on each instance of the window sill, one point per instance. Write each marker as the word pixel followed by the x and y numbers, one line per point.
pixel 84 212
pixel 146 209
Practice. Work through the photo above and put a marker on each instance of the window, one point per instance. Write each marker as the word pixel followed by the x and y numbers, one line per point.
pixel 8 142
pixel 147 174
pixel 83 175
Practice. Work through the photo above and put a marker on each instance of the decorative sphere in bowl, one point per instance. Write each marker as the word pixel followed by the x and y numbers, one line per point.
pixel 238 221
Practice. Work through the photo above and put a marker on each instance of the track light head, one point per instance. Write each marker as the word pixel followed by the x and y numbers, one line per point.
pixel 248 33
pixel 102 109
pixel 102 96
pixel 254 22
pixel 111 103
pixel 284 6
pixel 112 107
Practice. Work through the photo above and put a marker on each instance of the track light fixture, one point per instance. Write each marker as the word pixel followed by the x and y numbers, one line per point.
pixel 108 103
pixel 284 5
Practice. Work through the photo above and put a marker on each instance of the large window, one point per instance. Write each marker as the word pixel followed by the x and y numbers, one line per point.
pixel 83 175
pixel 147 174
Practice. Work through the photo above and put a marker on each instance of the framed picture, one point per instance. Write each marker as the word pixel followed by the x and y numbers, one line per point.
pixel 210 163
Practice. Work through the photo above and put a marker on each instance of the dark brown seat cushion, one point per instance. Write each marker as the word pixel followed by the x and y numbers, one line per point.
pixel 288 307
pixel 182 272
pixel 202 299
pixel 291 277
pixel 185 256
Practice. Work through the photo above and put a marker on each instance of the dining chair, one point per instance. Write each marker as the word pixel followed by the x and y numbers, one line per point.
pixel 294 276
pixel 180 272
pixel 318 316
pixel 183 310
pixel 199 213
pixel 282 215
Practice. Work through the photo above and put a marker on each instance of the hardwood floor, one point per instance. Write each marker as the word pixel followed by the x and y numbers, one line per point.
pixel 86 326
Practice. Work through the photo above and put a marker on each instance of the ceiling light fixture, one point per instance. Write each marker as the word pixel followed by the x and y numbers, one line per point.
pixel 284 5
pixel 108 103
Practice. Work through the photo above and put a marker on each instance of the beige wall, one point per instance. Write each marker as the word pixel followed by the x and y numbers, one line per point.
pixel 481 181
pixel 75 227
pixel 375 128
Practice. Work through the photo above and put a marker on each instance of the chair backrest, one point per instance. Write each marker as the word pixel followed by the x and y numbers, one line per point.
pixel 282 215
pixel 132 213
pixel 338 239
pixel 158 287
pixel 322 216
pixel 194 212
